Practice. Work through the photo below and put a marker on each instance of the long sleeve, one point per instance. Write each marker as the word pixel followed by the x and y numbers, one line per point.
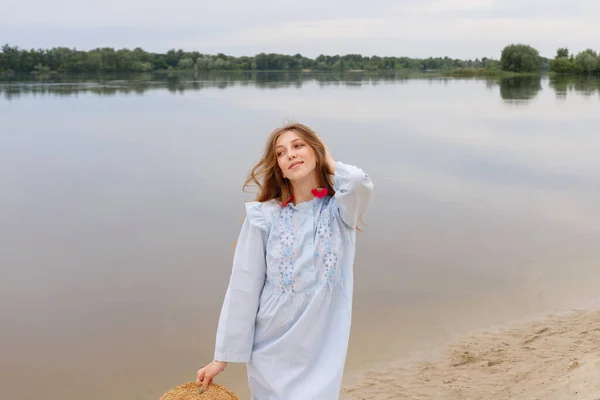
pixel 235 332
pixel 353 192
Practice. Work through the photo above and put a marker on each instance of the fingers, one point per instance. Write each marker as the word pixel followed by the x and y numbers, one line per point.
pixel 205 377
pixel 205 383
pixel 200 376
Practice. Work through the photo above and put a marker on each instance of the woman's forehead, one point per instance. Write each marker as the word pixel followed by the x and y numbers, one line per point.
pixel 287 138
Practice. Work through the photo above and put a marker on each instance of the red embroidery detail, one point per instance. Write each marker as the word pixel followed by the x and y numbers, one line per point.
pixel 320 193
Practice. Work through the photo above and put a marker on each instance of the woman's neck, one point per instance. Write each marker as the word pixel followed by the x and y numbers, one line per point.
pixel 302 190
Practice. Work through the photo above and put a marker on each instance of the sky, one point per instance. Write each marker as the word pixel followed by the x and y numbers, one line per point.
pixel 466 29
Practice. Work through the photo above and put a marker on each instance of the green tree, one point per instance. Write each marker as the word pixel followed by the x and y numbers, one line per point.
pixel 563 66
pixel 172 57
pixel 563 52
pixel 520 58
pixel 339 65
pixel 204 63
pixel 11 58
pixel 140 66
pixel 185 63
pixel 587 61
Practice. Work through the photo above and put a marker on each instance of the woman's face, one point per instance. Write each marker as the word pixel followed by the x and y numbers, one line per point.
pixel 295 157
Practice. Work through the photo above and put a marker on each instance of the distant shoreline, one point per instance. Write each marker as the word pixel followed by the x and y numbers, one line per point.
pixel 410 73
pixel 514 60
pixel 15 60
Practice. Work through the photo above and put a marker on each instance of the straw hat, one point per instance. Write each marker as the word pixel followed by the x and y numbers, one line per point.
pixel 191 391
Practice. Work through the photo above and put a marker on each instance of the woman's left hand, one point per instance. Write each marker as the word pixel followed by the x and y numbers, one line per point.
pixel 206 375
pixel 328 157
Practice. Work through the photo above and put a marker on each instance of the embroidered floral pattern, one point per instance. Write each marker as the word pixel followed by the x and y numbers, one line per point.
pixel 288 252
pixel 328 248
pixel 287 270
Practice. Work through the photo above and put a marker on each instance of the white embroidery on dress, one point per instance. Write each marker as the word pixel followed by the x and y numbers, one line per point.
pixel 288 251
pixel 328 248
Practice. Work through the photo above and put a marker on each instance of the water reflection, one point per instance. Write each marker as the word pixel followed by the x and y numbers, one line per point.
pixel 587 86
pixel 518 90
pixel 140 83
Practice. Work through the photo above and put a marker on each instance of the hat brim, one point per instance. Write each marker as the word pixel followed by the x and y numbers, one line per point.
pixel 191 391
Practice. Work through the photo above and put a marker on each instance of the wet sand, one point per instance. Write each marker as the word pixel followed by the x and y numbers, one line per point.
pixel 557 357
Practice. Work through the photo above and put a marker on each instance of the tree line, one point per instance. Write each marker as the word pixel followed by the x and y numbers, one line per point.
pixel 107 60
pixel 515 58
pixel 586 62
pixel 524 58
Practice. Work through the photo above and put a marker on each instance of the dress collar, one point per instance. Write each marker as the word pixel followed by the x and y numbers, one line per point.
pixel 318 193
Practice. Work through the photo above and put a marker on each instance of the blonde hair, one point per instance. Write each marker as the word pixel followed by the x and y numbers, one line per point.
pixel 267 175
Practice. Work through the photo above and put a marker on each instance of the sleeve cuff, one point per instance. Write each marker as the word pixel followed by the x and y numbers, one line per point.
pixel 231 356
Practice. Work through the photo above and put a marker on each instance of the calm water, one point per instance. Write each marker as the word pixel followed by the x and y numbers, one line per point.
pixel 121 202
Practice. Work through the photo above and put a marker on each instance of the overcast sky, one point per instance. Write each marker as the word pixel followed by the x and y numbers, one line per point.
pixel 414 28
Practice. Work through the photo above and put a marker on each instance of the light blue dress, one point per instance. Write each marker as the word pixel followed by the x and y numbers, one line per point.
pixel 288 305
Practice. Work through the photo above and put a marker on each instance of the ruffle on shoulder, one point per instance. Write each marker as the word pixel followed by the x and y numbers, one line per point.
pixel 256 215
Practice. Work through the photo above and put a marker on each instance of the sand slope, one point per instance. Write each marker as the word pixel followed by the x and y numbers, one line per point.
pixel 551 359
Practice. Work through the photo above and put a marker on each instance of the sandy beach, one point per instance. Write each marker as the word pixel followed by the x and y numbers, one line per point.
pixel 557 357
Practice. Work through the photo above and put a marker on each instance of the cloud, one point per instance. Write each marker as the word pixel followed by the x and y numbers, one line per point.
pixel 456 28
pixel 445 6
pixel 305 31
pixel 533 9
pixel 443 25
pixel 227 15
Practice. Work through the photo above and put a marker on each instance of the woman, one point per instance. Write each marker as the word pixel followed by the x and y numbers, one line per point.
pixel 288 306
